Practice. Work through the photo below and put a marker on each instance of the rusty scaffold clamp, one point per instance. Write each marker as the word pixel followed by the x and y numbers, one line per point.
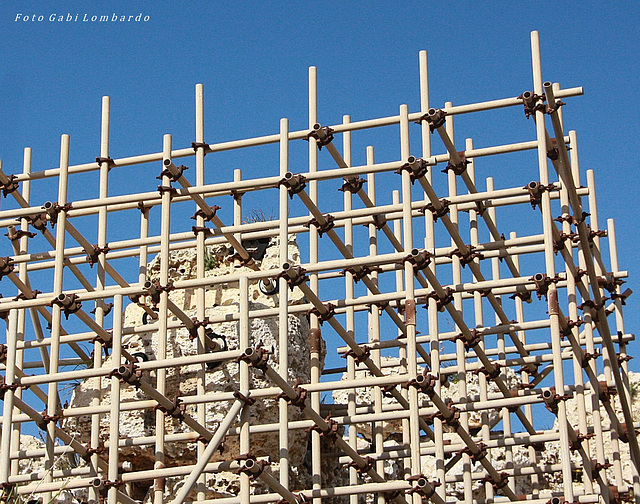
pixel 532 102
pixel 6 266
pixel 249 465
pixel 201 145
pixel 352 184
pixel 52 210
pixel 294 275
pixel 425 383
pixel 535 190
pixel 68 302
pixel 322 135
pixel 551 399
pixel 441 302
pixel 294 183
pixel 465 258
pixel 542 282
pixel 469 340
pixel 128 373
pixel 460 167
pixel 322 227
pixel 417 168
pixel 359 358
pixel 15 234
pixel 109 161
pixel 361 469
pixel 299 400
pixel 9 185
pixel 257 358
pixel 206 215
pixel 420 259
pixel 330 432
pixel 176 410
pixel 422 486
pixel 437 212
pixel 360 272
pixel 435 118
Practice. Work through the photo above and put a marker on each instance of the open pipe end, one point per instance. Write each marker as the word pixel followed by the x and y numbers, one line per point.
pixel 47 205
pixel 547 84
pixel 147 285
pixel 432 112
pixel 317 127
pixel 547 394
pixel 248 352
pixel 167 162
pixel 415 252
pixel 286 266
pixel 62 297
pixel 532 185
pixel 268 286
pixel 411 159
pixel 97 483
pixel 527 95
pixel 538 277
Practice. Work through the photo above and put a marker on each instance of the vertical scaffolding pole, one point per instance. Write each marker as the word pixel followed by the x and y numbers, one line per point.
pixel 316 463
pixel 114 414
pixel 283 305
pixel 163 314
pixel 56 319
pixel 552 294
pixel 201 253
pixel 409 301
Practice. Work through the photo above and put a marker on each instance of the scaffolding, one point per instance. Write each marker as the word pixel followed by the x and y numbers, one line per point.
pixel 517 326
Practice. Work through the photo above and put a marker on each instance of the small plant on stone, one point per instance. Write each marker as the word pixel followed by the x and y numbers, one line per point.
pixel 12 497
pixel 210 262
pixel 257 216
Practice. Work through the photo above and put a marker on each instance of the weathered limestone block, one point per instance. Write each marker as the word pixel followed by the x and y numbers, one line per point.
pixel 221 301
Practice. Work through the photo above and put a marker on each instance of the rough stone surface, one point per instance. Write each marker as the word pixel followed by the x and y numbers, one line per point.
pixel 220 300
pixel 450 390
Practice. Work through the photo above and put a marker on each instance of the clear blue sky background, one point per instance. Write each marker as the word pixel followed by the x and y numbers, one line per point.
pixel 252 58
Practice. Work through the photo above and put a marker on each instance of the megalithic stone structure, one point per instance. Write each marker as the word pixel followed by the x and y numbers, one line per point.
pixel 180 341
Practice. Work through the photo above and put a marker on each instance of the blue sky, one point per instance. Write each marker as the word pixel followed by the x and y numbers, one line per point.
pixel 252 58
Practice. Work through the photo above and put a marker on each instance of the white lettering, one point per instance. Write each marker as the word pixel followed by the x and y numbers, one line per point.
pixel 146 18
pixel 18 16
